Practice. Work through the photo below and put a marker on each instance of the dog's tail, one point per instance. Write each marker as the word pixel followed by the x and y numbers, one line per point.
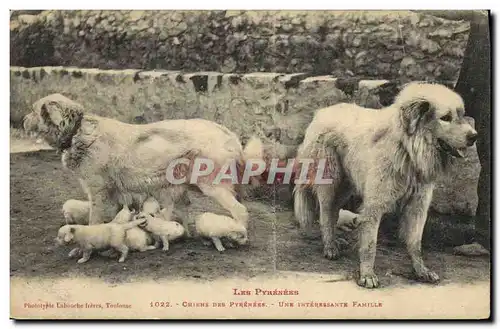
pixel 134 223
pixel 304 207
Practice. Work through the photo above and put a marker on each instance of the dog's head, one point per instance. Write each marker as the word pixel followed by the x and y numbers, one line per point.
pixel 56 118
pixel 436 113
pixel 240 237
pixel 65 235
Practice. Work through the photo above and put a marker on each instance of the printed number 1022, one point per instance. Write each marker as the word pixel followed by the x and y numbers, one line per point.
pixel 159 304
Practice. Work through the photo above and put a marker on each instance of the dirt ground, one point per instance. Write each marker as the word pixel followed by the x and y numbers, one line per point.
pixel 39 187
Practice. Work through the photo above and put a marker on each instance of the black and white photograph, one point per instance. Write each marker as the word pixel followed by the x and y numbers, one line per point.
pixel 250 164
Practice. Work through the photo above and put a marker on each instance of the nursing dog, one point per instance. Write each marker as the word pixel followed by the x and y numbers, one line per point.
pixel 391 158
pixel 119 163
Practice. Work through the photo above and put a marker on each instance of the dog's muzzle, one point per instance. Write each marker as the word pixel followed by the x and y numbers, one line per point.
pixel 455 152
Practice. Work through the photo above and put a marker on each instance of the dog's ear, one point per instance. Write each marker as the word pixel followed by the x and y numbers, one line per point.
pixel 51 111
pixel 415 114
pixel 63 116
pixel 70 235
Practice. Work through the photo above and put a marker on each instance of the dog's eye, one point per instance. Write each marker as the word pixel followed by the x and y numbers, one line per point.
pixel 447 117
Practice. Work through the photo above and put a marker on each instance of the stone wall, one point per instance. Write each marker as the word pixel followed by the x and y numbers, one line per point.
pixel 277 107
pixel 376 44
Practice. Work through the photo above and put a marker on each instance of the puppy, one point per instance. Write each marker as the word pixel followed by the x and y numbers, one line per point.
pixel 76 212
pixel 214 227
pixel 136 239
pixel 123 216
pixel 151 206
pixel 96 237
pixel 164 230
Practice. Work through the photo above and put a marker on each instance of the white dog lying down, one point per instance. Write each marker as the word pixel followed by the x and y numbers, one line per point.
pixel 76 212
pixel 163 230
pixel 214 227
pixel 95 237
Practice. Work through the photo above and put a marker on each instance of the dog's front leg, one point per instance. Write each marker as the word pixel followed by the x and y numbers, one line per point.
pixel 226 199
pixel 218 244
pixel 168 200
pixel 96 213
pixel 164 240
pixel 97 193
pixel 123 249
pixel 414 216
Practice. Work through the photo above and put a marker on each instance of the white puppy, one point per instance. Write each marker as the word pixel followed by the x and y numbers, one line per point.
pixel 151 206
pixel 123 216
pixel 136 238
pixel 164 230
pixel 214 227
pixel 95 237
pixel 76 212
pixel 347 220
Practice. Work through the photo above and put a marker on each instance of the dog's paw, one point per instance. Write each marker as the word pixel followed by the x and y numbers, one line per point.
pixel 428 276
pixel 369 281
pixel 82 260
pixel 331 252
pixel 221 249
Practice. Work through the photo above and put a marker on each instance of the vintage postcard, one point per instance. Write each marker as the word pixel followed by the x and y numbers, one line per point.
pixel 250 164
